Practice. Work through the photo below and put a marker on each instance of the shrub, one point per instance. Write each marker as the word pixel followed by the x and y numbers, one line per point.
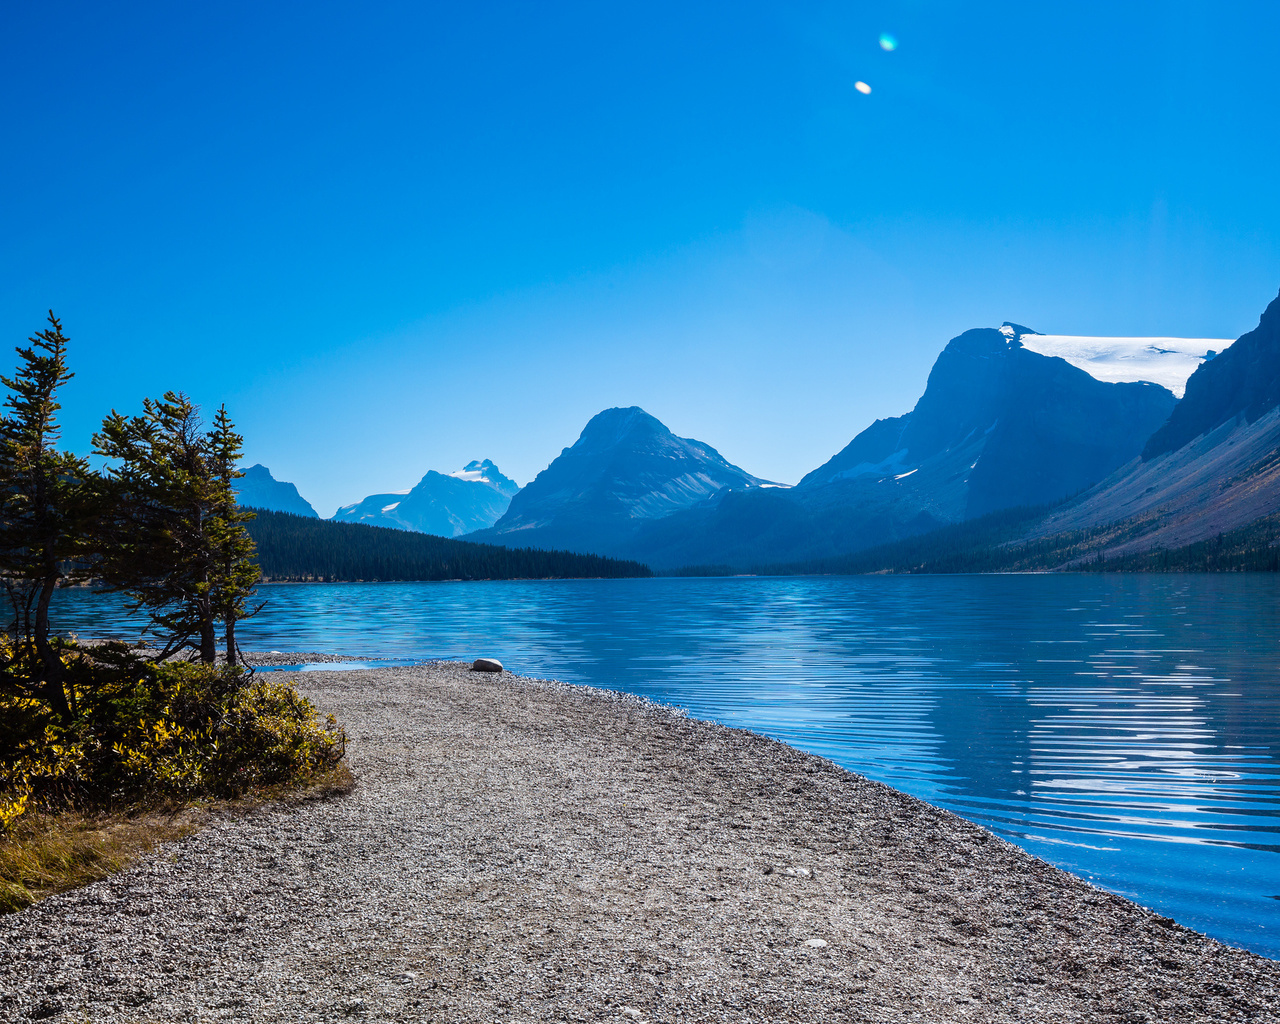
pixel 144 733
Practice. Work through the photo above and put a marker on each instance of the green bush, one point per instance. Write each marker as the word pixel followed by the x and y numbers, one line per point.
pixel 145 733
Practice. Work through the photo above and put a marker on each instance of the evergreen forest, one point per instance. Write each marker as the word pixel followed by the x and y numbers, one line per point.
pixel 299 548
pixel 995 543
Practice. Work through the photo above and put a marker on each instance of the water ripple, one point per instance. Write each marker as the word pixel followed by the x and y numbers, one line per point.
pixel 1126 728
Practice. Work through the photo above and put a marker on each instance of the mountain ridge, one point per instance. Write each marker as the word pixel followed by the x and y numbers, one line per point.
pixel 625 468
pixel 998 426
pixel 257 488
pixel 1243 380
pixel 442 504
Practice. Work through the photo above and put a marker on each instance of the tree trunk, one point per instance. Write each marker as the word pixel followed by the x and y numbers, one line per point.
pixel 208 642
pixel 231 639
pixel 55 692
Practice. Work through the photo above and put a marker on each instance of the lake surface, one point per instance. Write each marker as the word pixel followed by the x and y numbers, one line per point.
pixel 1126 728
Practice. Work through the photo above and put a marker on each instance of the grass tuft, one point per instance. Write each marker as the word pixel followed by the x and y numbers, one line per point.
pixel 43 854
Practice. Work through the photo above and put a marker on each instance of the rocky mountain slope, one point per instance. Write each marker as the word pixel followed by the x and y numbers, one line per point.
pixel 444 504
pixel 1244 381
pixel 625 470
pixel 1214 466
pixel 259 489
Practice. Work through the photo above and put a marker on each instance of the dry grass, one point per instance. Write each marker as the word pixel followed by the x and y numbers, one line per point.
pixel 49 853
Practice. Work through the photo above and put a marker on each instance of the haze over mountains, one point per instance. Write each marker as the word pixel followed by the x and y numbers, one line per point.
pixel 1008 419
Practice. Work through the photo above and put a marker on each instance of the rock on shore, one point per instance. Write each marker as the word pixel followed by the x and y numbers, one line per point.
pixel 527 851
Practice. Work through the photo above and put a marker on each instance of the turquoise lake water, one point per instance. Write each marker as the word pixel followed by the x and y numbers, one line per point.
pixel 1126 728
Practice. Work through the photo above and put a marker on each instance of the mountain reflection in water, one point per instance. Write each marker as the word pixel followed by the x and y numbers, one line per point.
pixel 1126 728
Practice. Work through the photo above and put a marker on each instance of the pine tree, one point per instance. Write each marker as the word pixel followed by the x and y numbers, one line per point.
pixel 177 543
pixel 46 503
pixel 237 568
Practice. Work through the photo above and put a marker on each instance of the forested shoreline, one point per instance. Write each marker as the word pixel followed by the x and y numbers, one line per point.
pixel 292 548
pixel 994 543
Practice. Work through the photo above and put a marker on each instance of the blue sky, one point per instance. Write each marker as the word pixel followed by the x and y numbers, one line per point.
pixel 396 237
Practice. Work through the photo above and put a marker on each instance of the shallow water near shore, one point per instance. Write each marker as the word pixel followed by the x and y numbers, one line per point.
pixel 1126 728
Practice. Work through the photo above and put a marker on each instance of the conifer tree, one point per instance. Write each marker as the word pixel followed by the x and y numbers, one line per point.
pixel 46 502
pixel 237 571
pixel 177 544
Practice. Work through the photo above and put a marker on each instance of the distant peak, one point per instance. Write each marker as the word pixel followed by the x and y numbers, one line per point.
pixel 257 488
pixel 981 342
pixel 476 469
pixel 608 428
pixel 483 471
pixel 1015 330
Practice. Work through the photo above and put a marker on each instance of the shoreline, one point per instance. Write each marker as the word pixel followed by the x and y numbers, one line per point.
pixel 530 850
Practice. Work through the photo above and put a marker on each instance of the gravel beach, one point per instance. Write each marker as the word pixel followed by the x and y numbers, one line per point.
pixel 518 850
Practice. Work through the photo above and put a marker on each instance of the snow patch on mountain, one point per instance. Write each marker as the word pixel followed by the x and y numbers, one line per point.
pixel 894 466
pixel 1164 361
pixel 486 472
pixel 445 504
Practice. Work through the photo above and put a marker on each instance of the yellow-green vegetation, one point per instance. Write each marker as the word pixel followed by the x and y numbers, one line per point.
pixel 47 853
pixel 145 744
pixel 42 853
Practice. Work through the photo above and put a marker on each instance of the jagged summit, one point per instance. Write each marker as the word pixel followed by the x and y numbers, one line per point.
pixel 444 504
pixel 1022 428
pixel 259 489
pixel 485 472
pixel 618 426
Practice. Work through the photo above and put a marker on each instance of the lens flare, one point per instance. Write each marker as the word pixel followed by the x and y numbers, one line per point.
pixel 863 88
pixel 888 43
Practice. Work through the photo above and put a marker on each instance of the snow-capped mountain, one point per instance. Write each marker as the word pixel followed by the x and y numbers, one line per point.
pixel 444 504
pixel 624 470
pixel 259 489
pixel 999 425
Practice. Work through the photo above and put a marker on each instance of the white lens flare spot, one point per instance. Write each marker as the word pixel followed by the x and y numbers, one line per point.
pixel 863 88
pixel 888 43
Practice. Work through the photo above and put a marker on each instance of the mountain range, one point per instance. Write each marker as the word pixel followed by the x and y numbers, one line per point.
pixel 1009 420
pixel 998 425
